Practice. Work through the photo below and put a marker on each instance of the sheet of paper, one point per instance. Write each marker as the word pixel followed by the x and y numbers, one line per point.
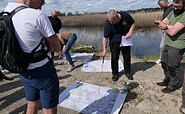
pixel 126 42
pixel 98 66
pixel 81 56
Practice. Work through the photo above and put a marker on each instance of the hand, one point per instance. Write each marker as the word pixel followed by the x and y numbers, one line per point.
pixel 128 35
pixel 59 55
pixel 157 22
pixel 103 53
pixel 64 48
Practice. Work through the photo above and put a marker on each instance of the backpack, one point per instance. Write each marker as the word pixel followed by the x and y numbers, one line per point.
pixel 12 57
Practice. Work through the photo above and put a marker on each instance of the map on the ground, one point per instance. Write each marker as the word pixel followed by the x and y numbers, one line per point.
pixel 92 99
pixel 81 56
pixel 99 66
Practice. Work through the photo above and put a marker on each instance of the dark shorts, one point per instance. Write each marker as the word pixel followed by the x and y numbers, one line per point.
pixel 42 83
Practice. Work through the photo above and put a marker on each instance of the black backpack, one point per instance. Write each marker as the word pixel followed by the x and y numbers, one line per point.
pixel 12 57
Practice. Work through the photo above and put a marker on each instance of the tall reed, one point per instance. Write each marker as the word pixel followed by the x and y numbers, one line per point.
pixel 142 19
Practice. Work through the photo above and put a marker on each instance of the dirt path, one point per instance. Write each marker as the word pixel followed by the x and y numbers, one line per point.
pixel 145 97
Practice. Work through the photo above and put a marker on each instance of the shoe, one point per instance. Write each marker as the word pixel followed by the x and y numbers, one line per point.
pixel 71 68
pixel 4 71
pixel 158 62
pixel 167 90
pixel 114 77
pixel 162 83
pixel 129 76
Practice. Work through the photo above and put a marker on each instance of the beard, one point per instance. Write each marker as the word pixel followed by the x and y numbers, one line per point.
pixel 178 11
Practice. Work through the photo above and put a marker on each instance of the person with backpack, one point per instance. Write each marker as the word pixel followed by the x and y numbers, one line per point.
pixel 40 80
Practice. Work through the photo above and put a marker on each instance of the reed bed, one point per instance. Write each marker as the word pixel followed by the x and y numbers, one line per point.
pixel 142 19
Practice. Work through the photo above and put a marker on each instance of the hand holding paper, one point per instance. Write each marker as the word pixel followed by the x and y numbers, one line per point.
pixel 126 42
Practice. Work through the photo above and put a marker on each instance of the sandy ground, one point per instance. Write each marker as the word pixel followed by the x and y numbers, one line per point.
pixel 144 97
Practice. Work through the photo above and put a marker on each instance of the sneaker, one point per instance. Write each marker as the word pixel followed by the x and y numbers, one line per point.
pixel 158 61
pixel 129 76
pixel 114 78
pixel 71 68
pixel 4 71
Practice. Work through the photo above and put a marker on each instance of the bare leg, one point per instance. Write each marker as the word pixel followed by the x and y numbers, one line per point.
pixel 50 111
pixel 32 107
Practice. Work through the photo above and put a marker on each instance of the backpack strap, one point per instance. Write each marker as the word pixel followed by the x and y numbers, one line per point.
pixel 17 10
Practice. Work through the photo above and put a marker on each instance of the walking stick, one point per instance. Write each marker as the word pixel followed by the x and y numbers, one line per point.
pixel 101 73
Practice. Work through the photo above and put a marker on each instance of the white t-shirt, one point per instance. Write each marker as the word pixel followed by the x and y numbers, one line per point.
pixel 31 26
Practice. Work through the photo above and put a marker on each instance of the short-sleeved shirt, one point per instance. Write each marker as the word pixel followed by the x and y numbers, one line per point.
pixel 178 40
pixel 56 23
pixel 116 31
pixel 31 26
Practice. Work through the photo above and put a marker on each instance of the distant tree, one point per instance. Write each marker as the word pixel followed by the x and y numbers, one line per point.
pixel 77 12
pixel 61 14
pixel 69 14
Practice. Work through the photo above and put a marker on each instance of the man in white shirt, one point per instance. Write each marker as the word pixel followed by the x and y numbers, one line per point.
pixel 40 80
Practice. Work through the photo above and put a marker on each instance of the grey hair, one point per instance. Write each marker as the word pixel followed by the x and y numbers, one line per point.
pixel 113 13
pixel 161 1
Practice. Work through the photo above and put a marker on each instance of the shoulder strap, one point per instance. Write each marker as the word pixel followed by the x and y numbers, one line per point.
pixel 17 10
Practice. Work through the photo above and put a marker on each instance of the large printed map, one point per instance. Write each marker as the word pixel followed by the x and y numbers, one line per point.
pixel 91 99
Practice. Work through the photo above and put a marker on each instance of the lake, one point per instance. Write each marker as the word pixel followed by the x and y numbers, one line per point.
pixel 145 42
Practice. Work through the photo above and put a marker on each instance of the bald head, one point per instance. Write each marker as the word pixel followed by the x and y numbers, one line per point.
pixel 36 4
pixel 112 16
pixel 54 13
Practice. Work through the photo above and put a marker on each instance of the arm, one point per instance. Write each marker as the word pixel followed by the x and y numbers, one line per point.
pixel 60 38
pixel 170 29
pixel 104 42
pixel 130 32
pixel 174 29
pixel 53 43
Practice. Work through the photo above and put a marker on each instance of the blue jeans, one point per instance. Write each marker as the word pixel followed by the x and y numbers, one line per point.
pixel 69 44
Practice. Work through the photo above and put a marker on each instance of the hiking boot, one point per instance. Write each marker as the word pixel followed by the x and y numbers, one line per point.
pixel 115 77
pixel 162 83
pixel 129 76
pixel 167 90
pixel 71 68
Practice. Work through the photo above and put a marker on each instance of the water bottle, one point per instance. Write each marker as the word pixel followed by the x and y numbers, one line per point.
pixel 125 88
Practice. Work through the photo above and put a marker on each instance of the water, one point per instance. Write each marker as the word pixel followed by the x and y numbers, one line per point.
pixel 145 42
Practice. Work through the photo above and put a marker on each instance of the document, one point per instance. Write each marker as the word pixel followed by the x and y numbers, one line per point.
pixel 126 42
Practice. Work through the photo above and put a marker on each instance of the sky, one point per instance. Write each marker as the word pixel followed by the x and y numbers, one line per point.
pixel 91 6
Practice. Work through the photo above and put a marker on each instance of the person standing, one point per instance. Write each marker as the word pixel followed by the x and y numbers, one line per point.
pixel 40 80
pixel 167 8
pixel 119 26
pixel 55 21
pixel 174 26
pixel 56 24
pixel 67 39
